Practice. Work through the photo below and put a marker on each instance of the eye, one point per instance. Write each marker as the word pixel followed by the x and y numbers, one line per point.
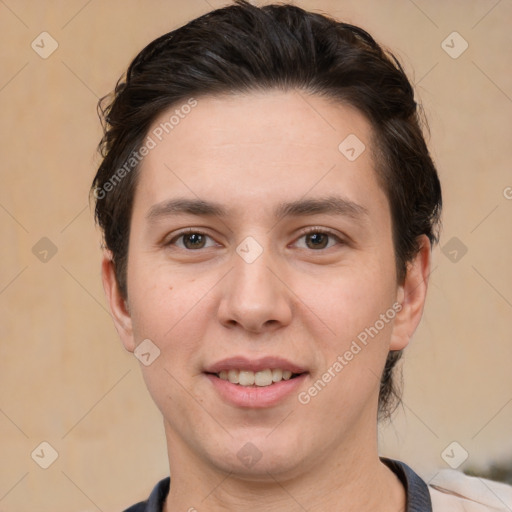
pixel 315 239
pixel 318 238
pixel 192 240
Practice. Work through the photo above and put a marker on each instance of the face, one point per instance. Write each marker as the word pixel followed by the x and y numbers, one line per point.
pixel 257 245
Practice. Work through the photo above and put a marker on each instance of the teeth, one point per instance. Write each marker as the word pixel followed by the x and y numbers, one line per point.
pixel 287 374
pixel 232 376
pixel 263 378
pixel 277 375
pixel 246 378
pixel 249 378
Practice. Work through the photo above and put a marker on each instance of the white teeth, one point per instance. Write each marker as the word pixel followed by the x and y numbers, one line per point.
pixel 263 378
pixel 233 376
pixel 277 375
pixel 248 378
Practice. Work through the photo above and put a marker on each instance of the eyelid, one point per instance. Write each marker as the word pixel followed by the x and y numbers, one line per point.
pixel 319 229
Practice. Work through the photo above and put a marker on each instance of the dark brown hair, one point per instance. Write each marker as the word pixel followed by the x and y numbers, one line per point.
pixel 243 48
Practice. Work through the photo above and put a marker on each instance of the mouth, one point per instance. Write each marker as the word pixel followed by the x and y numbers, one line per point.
pixel 256 396
pixel 256 383
pixel 262 378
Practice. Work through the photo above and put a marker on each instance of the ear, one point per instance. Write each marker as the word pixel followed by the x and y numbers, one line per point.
pixel 118 306
pixel 411 295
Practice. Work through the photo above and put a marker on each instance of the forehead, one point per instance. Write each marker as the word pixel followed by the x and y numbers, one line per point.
pixel 259 147
pixel 273 118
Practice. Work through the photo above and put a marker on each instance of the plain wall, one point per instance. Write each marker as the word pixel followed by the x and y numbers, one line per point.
pixel 65 378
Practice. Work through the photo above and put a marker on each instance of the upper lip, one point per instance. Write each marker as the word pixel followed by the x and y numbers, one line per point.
pixel 255 365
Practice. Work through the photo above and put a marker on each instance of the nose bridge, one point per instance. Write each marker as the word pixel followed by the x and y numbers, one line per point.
pixel 252 279
pixel 253 296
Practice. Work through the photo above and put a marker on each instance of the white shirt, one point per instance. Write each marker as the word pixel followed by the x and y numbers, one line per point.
pixel 453 491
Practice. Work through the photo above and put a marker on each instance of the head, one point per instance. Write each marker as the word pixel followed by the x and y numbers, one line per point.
pixel 249 108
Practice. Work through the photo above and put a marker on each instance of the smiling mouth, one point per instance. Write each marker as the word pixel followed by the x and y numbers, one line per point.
pixel 263 378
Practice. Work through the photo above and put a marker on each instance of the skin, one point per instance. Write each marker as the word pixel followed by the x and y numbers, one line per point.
pixel 297 301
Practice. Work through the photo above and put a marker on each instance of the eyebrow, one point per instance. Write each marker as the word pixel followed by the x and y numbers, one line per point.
pixel 331 205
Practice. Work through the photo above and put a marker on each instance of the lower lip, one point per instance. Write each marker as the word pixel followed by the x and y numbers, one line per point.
pixel 258 396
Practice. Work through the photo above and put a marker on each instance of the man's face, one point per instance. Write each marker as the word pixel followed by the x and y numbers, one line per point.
pixel 249 290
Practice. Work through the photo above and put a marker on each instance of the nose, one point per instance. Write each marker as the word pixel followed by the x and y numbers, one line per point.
pixel 255 295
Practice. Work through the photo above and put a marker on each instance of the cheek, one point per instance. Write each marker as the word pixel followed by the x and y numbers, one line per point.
pixel 166 307
pixel 355 297
pixel 168 311
pixel 359 310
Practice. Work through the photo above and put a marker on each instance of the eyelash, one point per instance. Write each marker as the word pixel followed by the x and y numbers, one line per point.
pixel 304 232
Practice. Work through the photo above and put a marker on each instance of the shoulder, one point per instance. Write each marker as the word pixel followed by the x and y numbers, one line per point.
pixel 454 491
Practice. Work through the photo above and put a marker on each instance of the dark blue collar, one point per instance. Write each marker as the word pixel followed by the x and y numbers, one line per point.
pixel 416 490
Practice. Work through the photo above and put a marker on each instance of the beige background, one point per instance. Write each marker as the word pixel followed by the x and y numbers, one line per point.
pixel 64 376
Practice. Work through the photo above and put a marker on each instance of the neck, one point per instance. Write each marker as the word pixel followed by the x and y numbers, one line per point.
pixel 348 478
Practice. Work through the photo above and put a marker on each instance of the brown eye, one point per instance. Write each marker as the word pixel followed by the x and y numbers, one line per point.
pixel 190 240
pixel 318 239
pixel 193 241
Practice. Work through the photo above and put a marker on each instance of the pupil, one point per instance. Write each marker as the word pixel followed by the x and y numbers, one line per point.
pixel 194 236
pixel 315 236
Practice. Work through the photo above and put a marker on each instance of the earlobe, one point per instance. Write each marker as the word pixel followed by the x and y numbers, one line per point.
pixel 118 306
pixel 413 293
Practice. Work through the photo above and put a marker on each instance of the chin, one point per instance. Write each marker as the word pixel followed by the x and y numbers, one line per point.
pixel 258 458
